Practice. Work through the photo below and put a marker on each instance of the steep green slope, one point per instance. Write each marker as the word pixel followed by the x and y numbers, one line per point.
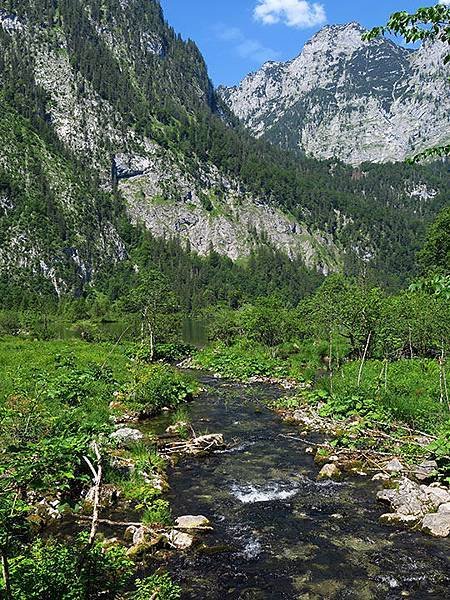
pixel 56 226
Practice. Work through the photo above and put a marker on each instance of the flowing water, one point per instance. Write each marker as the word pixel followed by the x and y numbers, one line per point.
pixel 277 532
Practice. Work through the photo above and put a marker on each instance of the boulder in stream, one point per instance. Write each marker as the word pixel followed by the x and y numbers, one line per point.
pixel 412 503
pixel 329 471
pixel 193 522
pixel 407 499
pixel 437 524
pixel 144 539
pixel 179 539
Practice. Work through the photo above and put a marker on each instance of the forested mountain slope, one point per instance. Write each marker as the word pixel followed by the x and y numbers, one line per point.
pixel 347 98
pixel 109 119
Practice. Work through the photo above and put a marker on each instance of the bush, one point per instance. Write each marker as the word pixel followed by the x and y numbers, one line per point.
pixel 161 585
pixel 158 513
pixel 54 570
pixel 440 449
pixel 412 392
pixel 160 385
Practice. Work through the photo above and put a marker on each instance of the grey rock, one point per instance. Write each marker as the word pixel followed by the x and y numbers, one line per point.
pixel 436 494
pixel 126 436
pixel 179 539
pixel 444 508
pixel 412 503
pixel 425 470
pixel 329 471
pixel 394 466
pixel 399 519
pixel 407 499
pixel 193 522
pixel 437 524
pixel 141 534
pixel 381 477
pixel 130 165
pixel 129 533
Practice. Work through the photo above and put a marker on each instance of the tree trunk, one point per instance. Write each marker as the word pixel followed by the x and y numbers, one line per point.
pixel 364 358
pixel 5 574
pixel 152 350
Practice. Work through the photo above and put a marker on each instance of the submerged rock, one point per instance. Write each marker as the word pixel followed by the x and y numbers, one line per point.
pixel 126 436
pixel 399 519
pixel 329 471
pixel 193 522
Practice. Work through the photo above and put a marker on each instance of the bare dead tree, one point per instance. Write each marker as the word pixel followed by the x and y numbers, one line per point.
pixel 364 358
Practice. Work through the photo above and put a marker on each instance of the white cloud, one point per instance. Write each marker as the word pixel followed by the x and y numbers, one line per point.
pixel 246 47
pixel 446 2
pixel 293 13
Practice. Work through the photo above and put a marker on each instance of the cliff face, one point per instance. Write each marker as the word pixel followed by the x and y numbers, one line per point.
pixel 201 205
pixel 346 98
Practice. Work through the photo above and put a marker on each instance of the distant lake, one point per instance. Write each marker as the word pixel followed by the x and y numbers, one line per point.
pixel 194 332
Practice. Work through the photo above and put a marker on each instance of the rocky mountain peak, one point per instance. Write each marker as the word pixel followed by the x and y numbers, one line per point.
pixel 347 98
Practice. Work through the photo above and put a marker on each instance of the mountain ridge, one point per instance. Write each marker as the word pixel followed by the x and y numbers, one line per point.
pixel 342 97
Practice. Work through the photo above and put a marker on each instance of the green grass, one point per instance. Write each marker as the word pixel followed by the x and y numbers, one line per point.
pixel 22 360
pixel 411 393
pixel 241 360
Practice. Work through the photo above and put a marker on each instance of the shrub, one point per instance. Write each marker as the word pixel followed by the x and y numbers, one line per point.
pixel 160 385
pixel 54 570
pixel 410 392
pixel 158 513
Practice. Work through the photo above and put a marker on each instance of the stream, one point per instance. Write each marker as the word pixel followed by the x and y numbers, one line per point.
pixel 277 532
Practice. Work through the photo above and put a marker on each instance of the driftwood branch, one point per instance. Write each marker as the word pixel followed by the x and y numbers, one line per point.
pixel 5 574
pixel 97 479
pixel 109 522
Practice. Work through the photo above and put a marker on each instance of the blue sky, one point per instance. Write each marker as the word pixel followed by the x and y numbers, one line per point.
pixel 238 36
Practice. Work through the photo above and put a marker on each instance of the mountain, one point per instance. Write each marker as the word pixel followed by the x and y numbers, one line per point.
pixel 346 98
pixel 111 131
